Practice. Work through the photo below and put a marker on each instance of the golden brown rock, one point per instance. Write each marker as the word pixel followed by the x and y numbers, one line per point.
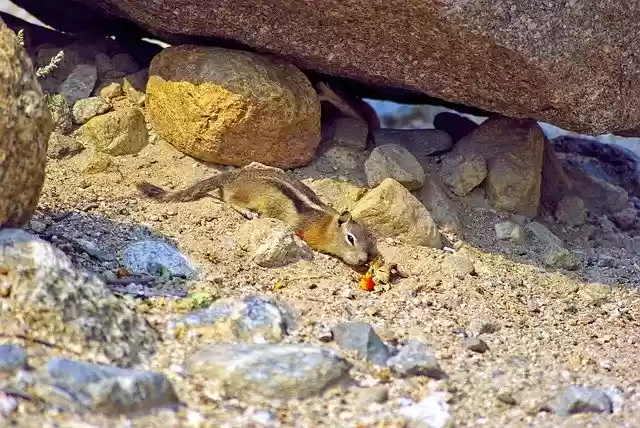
pixel 233 107
pixel 25 126
pixel 513 150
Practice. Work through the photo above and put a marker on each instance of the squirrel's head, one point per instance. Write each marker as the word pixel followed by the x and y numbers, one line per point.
pixel 355 245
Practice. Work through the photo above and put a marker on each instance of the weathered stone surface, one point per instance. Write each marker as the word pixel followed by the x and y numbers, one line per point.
pixel 416 359
pixel 435 198
pixel 394 161
pixel 87 108
pixel 271 371
pixel 463 172
pixel 253 319
pixel 513 150
pixel 60 113
pixel 153 257
pixel 119 132
pixel 233 107
pixel 50 296
pixel 600 196
pixel 346 131
pixel 25 125
pixel 271 243
pixel 339 194
pixel 82 387
pixel 362 338
pixel 61 146
pixel 390 210
pixel 571 211
pixel 523 60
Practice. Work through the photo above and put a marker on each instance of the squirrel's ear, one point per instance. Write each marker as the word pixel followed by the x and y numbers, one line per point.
pixel 344 217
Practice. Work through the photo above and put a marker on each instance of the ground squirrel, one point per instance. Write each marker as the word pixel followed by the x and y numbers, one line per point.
pixel 270 192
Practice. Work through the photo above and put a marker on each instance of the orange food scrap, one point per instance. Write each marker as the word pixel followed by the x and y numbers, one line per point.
pixel 299 235
pixel 366 282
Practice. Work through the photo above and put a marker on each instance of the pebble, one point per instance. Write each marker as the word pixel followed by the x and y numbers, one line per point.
pixel 79 83
pixel 464 172
pixel 508 230
pixel 87 108
pixel 37 226
pixel 416 359
pixel 458 265
pixel 148 257
pixel 475 344
pixel 271 371
pixel 362 338
pixel 257 319
pixel 431 412
pixel 111 390
pixel 579 399
pixel 560 258
pixel 12 357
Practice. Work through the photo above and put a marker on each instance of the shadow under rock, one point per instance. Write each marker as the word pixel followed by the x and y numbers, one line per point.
pixel 95 243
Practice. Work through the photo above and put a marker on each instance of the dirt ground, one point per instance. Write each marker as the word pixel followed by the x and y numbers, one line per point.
pixel 544 329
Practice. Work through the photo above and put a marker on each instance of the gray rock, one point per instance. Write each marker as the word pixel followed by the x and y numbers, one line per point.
pixel 571 211
pixel 543 234
pixel 82 387
pixel 271 371
pixel 422 143
pixel 458 265
pixel 153 257
pixel 508 230
pixel 578 399
pixel 626 219
pixel 74 305
pixel 362 338
pixel 463 172
pixel 431 412
pixel 476 344
pixel 271 243
pixel 63 146
pixel 12 357
pixel 394 161
pixel 79 83
pixel 349 132
pixel 60 113
pixel 560 258
pixel 258 319
pixel 416 359
pixel 87 108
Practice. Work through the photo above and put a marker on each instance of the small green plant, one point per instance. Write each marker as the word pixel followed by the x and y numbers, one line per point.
pixel 47 69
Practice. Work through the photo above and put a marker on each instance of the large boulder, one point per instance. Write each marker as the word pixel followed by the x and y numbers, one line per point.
pixel 233 107
pixel 25 126
pixel 569 65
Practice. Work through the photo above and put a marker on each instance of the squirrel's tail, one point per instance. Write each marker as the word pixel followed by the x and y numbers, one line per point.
pixel 191 193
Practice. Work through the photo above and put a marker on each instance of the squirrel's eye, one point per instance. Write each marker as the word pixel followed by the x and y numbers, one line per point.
pixel 351 239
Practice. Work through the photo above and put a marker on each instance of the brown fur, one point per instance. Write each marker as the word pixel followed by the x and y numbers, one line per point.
pixel 273 193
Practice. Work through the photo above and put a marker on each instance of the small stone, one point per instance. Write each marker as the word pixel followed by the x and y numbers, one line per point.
pixel 111 91
pixel 391 211
pixel 578 399
pixel 627 218
pixel 119 132
pixel 416 359
pixel 87 108
pixel 560 258
pixel 79 83
pixel 60 113
pixel 63 146
pixel 92 249
pixel 571 211
pixel 325 335
pixel 348 131
pixel 362 338
pixel 508 230
pixel 271 243
pixel 153 257
pixel 271 371
pixel 431 412
pixel 81 386
pixel 458 265
pixel 506 398
pixel 94 162
pixel 543 234
pixel 12 358
pixel 257 319
pixel 373 394
pixel 476 344
pixel 464 172
pixel 37 226
pixel 396 162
